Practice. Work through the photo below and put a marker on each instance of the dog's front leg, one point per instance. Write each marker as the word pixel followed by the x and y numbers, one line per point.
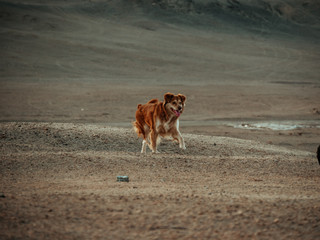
pixel 177 136
pixel 181 141
pixel 153 139
pixel 144 146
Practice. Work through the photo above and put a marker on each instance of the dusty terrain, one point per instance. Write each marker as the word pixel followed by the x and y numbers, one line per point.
pixel 59 181
pixel 71 76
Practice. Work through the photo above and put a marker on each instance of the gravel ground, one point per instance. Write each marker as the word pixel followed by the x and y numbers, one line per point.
pixel 59 180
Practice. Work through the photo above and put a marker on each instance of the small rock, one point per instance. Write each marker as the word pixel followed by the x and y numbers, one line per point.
pixel 122 179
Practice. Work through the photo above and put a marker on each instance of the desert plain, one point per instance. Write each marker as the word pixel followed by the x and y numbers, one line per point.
pixel 71 76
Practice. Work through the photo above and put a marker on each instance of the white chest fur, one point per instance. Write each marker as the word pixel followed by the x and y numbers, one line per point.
pixel 166 125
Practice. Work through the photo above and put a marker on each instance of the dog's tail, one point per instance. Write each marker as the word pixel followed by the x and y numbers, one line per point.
pixel 137 126
pixel 138 129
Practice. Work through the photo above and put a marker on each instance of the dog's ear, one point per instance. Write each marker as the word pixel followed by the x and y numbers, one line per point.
pixel 168 97
pixel 182 97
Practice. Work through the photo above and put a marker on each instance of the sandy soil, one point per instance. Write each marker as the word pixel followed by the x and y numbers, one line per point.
pixel 72 74
pixel 59 181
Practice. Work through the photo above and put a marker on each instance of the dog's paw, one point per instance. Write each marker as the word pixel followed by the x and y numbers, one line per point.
pixel 183 147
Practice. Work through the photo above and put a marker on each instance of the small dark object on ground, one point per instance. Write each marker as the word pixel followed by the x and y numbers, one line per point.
pixel 122 179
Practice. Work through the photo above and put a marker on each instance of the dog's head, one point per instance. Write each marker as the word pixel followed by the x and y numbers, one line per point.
pixel 174 104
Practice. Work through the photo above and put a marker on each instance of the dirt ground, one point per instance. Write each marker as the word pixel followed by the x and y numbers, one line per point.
pixel 60 181
pixel 72 75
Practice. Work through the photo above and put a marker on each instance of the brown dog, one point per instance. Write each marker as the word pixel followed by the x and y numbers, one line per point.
pixel 159 119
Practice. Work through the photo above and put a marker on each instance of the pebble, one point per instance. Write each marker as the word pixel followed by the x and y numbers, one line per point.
pixel 122 179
